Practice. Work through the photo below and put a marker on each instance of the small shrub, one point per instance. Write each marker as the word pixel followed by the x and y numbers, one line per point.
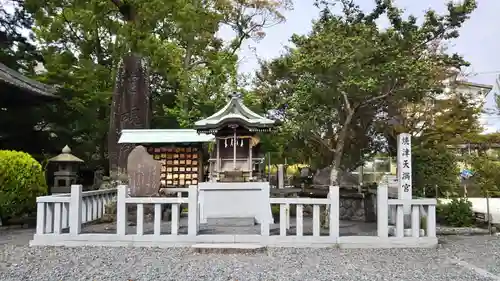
pixel 423 222
pixel 275 210
pixel 457 213
pixel 21 180
pixel 109 212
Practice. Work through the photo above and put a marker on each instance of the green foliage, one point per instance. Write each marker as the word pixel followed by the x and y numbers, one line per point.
pixel 275 210
pixel 434 170
pixel 457 213
pixel 451 121
pixel 423 222
pixel 19 127
pixel 339 84
pixel 16 51
pixel 486 175
pixel 21 181
pixel 192 68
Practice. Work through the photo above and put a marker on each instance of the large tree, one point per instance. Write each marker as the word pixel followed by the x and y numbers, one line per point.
pixel 343 83
pixel 192 68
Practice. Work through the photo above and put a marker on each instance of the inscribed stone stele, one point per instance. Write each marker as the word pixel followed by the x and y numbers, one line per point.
pixel 143 173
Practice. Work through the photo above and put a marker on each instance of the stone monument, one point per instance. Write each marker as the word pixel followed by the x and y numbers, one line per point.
pixel 130 108
pixel 144 173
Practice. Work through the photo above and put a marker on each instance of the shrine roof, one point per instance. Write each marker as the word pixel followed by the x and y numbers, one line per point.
pixel 19 89
pixel 234 111
pixel 164 136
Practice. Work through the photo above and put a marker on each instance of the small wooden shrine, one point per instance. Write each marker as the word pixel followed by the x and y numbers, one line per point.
pixel 236 155
pixel 228 139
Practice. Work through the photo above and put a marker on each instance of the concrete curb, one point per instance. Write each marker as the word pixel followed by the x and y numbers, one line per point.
pixel 14 227
pixel 466 231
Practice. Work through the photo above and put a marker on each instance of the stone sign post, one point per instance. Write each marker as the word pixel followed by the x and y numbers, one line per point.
pixel 404 171
pixel 144 173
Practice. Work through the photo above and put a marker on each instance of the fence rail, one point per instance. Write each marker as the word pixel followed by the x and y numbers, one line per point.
pixel 175 202
pixel 72 210
pixel 392 212
pixel 331 202
pixel 54 213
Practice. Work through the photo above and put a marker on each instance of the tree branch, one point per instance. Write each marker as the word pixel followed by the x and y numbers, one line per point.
pixel 318 139
pixel 75 34
pixel 382 96
pixel 347 103
pixel 117 3
pixel 125 9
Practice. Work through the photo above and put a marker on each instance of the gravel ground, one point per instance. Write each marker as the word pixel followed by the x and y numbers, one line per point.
pixel 458 258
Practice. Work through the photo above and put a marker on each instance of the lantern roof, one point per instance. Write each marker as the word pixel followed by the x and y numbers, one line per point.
pixel 66 156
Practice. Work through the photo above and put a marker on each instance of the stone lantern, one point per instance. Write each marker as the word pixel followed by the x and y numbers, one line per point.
pixel 67 169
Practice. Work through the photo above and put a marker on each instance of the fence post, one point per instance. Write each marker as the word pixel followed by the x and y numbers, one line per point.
pixel 193 211
pixel 431 220
pixel 75 210
pixel 40 218
pixel 382 211
pixel 121 210
pixel 334 195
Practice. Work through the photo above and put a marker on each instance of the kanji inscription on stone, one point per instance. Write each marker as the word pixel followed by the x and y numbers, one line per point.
pixel 404 166
pixel 143 173
pixel 130 108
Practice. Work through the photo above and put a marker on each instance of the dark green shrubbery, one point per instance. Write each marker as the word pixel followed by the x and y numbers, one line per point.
pixel 275 210
pixel 435 172
pixel 457 213
pixel 21 180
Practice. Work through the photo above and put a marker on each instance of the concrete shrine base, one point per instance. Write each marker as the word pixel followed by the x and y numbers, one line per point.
pixel 235 200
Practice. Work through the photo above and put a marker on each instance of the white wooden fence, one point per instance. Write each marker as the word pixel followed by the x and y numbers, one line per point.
pixel 74 210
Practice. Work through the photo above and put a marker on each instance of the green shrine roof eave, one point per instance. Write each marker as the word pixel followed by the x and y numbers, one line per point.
pixel 16 80
pixel 234 111
pixel 143 136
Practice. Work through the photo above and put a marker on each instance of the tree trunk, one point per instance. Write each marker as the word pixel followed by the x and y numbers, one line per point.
pixel 335 171
pixel 131 101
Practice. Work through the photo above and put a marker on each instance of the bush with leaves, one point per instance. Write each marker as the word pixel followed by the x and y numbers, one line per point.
pixel 435 171
pixel 22 179
pixel 456 213
pixel 486 176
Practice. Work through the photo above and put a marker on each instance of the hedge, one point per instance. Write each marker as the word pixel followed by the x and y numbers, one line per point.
pixel 22 179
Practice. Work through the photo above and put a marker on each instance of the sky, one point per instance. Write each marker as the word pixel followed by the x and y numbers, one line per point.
pixel 479 41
